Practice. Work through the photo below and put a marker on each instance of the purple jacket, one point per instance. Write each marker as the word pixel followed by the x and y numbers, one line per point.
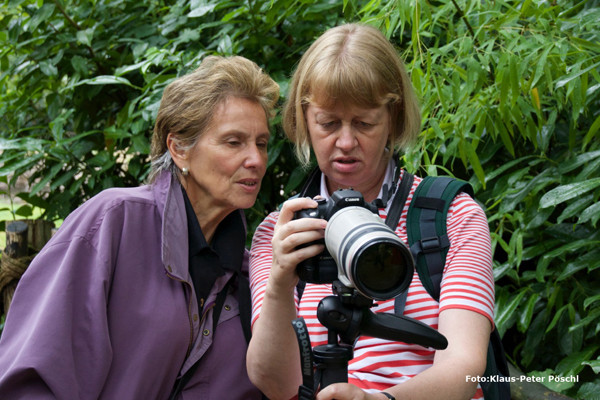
pixel 107 309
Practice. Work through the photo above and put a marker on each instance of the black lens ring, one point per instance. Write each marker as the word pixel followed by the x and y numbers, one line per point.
pixel 407 276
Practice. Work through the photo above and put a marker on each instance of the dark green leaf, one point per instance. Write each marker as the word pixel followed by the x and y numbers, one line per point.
pixel 566 192
pixel 527 312
pixel 507 310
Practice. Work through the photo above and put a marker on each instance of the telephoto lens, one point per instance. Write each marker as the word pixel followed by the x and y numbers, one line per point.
pixel 369 255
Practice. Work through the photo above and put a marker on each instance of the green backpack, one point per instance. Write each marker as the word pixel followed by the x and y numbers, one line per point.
pixel 429 244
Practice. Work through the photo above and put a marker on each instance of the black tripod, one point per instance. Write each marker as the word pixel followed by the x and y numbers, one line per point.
pixel 347 315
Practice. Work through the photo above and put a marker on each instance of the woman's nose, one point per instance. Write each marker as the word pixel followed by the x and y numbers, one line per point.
pixel 256 157
pixel 346 138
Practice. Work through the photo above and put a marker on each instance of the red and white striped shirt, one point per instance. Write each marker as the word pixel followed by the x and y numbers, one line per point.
pixel 467 283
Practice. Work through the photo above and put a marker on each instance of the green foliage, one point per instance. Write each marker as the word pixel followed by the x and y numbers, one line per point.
pixel 74 119
pixel 81 84
pixel 510 93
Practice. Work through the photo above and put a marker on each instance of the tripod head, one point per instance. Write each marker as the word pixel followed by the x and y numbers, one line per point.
pixel 347 315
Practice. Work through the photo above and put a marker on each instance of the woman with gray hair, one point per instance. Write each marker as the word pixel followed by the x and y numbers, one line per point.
pixel 143 292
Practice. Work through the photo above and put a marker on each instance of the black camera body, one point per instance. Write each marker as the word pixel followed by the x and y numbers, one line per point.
pixel 322 268
pixel 339 199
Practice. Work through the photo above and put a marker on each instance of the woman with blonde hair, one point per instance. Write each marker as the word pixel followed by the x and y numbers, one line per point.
pixel 352 104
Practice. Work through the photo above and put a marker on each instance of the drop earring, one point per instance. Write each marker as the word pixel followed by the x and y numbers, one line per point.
pixel 184 171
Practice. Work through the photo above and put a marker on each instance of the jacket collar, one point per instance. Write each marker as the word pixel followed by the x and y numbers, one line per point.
pixel 228 242
pixel 174 233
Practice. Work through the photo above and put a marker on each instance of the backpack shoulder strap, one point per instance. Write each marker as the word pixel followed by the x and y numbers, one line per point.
pixel 426 227
pixel 429 244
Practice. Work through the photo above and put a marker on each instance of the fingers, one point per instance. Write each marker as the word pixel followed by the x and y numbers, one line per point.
pixel 298 240
pixel 342 391
pixel 299 232
pixel 295 240
pixel 292 206
pixel 293 233
pixel 289 256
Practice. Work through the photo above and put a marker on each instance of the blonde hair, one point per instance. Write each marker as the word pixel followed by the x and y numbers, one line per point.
pixel 188 103
pixel 356 65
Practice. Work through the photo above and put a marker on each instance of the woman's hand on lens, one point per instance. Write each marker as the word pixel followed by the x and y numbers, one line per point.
pixel 290 240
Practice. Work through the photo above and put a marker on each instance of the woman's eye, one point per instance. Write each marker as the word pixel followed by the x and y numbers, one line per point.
pixel 233 143
pixel 327 124
pixel 364 124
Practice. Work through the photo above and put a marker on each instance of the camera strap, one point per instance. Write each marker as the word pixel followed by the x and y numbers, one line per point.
pixel 389 191
pixel 392 221
pixel 306 391
pixel 312 186
pixel 219 302
pixel 399 200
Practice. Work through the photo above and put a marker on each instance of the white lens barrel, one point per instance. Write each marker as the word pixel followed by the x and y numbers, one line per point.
pixel 350 234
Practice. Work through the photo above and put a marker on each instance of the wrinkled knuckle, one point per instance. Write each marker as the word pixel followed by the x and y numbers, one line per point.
pixel 293 241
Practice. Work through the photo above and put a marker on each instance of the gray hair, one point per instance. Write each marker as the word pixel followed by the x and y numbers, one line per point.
pixel 189 103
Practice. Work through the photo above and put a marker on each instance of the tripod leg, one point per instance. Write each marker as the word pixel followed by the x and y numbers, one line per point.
pixel 331 361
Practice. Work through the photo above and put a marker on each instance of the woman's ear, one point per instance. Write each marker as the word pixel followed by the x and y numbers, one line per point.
pixel 178 154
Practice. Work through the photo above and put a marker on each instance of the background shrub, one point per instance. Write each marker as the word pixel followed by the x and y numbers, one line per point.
pixel 510 96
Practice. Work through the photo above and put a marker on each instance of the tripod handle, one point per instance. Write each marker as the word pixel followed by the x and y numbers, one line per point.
pixel 351 322
pixel 401 328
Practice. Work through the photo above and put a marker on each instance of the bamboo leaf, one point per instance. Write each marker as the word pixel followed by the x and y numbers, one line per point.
pixel 592 213
pixel 575 208
pixel 44 181
pixel 40 16
pixel 202 10
pixel 504 87
pixel 578 161
pixel 507 311
pixel 591 133
pixel 106 80
pixel 556 318
pixel 576 75
pixel 591 300
pixel 514 81
pixel 475 163
pixel 540 65
pixel 572 268
pixel 559 252
pixel 29 162
pixel 572 365
pixel 566 192
pixel 527 313
pixel 505 137
pixel 535 96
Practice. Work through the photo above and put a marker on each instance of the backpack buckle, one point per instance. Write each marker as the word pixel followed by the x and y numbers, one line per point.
pixel 430 245
pixel 434 244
